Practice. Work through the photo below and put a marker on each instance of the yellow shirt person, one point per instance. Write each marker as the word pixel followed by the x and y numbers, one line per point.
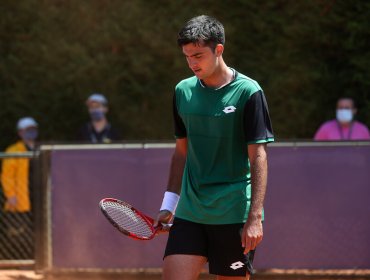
pixel 15 171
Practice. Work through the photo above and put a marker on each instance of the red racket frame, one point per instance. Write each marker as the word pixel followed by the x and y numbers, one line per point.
pixel 149 221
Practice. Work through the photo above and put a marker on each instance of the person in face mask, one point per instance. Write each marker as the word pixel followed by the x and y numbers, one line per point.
pixel 98 129
pixel 28 132
pixel 344 127
pixel 15 171
pixel 17 183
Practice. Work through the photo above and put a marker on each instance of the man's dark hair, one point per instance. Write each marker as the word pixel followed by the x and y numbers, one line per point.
pixel 202 30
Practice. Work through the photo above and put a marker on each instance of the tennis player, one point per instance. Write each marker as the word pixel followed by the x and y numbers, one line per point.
pixel 219 165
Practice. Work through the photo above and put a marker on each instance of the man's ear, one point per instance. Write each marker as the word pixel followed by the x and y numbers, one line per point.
pixel 219 49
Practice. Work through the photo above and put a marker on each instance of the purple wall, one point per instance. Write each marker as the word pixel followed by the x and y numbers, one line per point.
pixel 317 207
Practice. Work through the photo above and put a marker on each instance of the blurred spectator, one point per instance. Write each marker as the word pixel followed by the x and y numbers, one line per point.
pixel 344 127
pixel 17 181
pixel 98 130
pixel 15 171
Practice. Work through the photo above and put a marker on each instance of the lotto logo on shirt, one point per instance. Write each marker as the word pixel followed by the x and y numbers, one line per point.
pixel 229 109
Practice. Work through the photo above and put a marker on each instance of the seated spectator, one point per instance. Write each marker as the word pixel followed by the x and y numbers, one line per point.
pixel 344 127
pixel 98 130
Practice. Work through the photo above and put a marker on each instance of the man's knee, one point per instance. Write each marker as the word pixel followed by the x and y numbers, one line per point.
pixel 233 277
pixel 182 267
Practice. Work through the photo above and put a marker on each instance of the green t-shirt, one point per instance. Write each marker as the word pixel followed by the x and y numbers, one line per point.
pixel 219 124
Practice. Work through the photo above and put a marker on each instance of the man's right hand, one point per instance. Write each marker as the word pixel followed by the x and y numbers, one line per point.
pixel 164 217
pixel 12 203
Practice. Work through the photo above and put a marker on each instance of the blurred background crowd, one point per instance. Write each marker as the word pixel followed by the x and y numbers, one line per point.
pixel 55 54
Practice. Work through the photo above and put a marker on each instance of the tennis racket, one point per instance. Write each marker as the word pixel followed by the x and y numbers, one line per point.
pixel 130 221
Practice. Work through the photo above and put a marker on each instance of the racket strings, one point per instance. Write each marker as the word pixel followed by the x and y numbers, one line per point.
pixel 128 220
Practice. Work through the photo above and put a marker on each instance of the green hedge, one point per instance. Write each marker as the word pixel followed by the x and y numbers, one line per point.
pixel 53 54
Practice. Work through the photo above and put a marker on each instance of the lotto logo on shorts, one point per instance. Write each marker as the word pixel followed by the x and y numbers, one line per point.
pixel 236 265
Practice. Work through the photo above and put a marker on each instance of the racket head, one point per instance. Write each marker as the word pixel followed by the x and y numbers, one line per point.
pixel 127 219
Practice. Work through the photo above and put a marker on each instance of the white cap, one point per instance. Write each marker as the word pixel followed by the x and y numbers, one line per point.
pixel 26 122
pixel 97 97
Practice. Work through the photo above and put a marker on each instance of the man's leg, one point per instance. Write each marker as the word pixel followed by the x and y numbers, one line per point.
pixel 183 267
pixel 233 277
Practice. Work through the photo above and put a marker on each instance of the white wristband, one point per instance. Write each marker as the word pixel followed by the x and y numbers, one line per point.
pixel 170 201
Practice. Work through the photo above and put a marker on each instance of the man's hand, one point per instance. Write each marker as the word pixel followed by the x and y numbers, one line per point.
pixel 12 202
pixel 163 217
pixel 251 235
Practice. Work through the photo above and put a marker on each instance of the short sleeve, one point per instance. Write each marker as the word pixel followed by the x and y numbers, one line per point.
pixel 180 130
pixel 257 123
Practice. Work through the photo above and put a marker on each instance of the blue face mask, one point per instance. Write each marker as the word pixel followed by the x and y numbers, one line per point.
pixel 344 115
pixel 97 114
pixel 30 135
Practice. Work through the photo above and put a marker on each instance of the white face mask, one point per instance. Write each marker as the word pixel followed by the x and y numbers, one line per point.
pixel 344 115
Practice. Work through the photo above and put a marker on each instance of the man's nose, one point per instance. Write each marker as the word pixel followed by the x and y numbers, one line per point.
pixel 191 62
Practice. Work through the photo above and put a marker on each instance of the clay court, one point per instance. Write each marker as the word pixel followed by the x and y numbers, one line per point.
pixel 155 275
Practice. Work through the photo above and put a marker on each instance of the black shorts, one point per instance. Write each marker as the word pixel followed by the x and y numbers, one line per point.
pixel 220 244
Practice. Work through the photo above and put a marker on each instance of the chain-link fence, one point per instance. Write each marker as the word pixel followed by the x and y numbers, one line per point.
pixel 17 242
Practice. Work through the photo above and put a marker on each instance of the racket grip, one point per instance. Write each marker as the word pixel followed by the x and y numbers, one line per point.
pixel 164 227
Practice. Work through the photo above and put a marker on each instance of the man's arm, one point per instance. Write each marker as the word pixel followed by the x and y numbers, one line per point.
pixel 175 177
pixel 253 231
pixel 9 182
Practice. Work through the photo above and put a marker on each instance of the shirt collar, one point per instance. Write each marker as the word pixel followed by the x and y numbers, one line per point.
pixel 233 79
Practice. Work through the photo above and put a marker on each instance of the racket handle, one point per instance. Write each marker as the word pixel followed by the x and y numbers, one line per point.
pixel 163 228
pixel 166 227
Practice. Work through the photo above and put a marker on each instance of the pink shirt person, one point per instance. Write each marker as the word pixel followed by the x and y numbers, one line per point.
pixel 344 127
pixel 333 131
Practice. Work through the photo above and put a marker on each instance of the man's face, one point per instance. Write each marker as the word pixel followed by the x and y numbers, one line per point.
pixel 28 134
pixel 345 104
pixel 201 59
pixel 345 110
pixel 96 106
pixel 97 111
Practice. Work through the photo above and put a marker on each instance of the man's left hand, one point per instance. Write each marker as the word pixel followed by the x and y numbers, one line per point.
pixel 252 234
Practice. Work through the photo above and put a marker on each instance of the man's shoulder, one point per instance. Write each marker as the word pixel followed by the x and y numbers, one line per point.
pixel 16 147
pixel 329 124
pixel 361 125
pixel 83 133
pixel 247 83
pixel 187 83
